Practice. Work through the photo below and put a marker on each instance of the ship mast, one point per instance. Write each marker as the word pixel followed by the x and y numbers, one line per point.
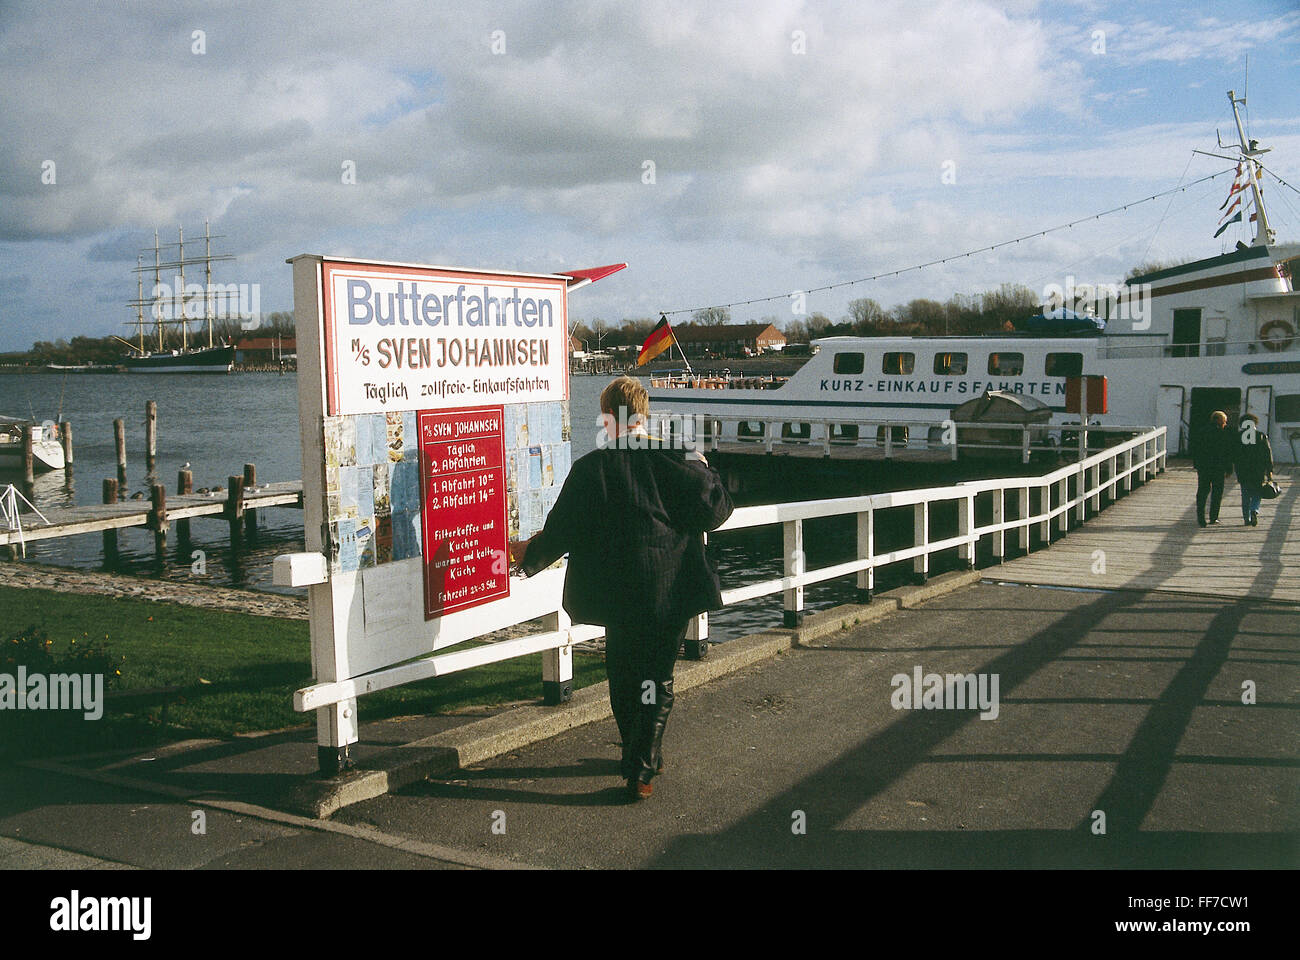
pixel 1263 233
pixel 179 301
pixel 183 320
pixel 207 280
pixel 157 275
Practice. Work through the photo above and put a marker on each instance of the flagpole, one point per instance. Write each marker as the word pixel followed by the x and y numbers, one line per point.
pixel 689 371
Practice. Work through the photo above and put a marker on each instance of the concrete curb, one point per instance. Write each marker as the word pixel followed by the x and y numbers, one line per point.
pixel 523 726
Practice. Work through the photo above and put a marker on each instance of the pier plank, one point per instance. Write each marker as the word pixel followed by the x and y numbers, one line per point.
pixel 1149 540
pixel 91 518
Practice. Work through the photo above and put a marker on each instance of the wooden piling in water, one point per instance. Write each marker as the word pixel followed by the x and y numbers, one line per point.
pixel 250 483
pixel 184 485
pixel 29 458
pixel 234 505
pixel 65 435
pixel 150 433
pixel 158 519
pixel 119 441
pixel 110 536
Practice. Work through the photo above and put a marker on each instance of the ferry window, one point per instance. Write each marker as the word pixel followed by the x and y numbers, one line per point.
pixel 950 364
pixel 848 363
pixel 1288 408
pixel 1006 364
pixel 900 363
pixel 1063 365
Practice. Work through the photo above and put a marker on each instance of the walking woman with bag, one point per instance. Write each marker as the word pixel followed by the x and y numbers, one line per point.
pixel 1254 462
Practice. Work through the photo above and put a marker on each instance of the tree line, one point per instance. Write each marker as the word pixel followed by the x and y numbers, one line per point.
pixel 111 349
pixel 988 312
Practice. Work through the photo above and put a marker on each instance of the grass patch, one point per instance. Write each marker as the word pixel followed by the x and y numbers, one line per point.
pixel 237 673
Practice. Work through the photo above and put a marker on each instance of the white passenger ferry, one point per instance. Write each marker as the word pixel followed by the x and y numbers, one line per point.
pixel 1214 334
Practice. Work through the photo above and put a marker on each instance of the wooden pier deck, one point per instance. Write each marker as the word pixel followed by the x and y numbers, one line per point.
pixel 93 518
pixel 1149 540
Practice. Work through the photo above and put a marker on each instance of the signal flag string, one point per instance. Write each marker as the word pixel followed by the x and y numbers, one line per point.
pixel 956 256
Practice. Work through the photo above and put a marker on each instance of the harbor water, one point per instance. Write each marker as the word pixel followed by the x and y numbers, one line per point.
pixel 216 424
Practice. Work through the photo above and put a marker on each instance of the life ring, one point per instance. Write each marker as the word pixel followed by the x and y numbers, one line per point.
pixel 1279 342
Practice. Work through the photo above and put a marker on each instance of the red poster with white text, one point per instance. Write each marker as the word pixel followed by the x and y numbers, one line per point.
pixel 463 501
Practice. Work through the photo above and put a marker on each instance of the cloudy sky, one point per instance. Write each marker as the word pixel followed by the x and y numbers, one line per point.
pixel 725 150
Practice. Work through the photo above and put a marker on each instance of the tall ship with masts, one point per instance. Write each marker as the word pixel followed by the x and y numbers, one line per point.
pixel 178 307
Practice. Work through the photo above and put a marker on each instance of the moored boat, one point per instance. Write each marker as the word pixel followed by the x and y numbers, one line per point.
pixel 47 451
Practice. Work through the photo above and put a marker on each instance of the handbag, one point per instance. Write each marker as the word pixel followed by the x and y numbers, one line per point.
pixel 1269 490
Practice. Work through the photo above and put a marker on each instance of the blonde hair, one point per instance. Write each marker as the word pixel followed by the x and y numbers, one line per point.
pixel 1219 417
pixel 625 393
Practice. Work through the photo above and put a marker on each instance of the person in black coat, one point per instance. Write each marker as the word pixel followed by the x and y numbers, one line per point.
pixel 1213 452
pixel 1254 463
pixel 631 516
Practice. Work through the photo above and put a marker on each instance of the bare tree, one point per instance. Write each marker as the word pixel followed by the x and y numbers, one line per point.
pixel 712 316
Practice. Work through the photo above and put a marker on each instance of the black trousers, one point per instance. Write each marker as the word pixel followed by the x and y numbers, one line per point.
pixel 639 663
pixel 1209 484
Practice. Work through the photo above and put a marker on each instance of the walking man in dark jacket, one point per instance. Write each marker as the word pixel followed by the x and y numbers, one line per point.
pixel 1254 465
pixel 631 517
pixel 1213 452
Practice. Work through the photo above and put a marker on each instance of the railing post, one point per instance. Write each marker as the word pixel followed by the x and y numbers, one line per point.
pixel 792 535
pixel 557 663
pixel 1128 468
pixel 826 436
pixel 1063 493
pixel 1024 444
pixel 889 441
pixel 1045 505
pixel 965 524
pixel 1023 528
pixel 768 439
pixel 921 538
pixel 999 517
pixel 866 551
pixel 696 645
pixel 1080 493
pixel 1094 484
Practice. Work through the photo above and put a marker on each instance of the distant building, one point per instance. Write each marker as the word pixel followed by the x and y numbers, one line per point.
pixel 728 339
pixel 259 350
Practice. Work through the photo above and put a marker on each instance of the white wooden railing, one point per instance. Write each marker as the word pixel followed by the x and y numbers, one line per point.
pixel 1068 492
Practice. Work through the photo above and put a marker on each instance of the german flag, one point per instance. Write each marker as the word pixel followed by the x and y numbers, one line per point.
pixel 660 339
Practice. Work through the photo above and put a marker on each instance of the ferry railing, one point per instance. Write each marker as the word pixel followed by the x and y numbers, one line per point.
pixel 1071 491
pixel 890 436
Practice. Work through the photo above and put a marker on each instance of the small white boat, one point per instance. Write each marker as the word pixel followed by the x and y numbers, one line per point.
pixel 47 451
